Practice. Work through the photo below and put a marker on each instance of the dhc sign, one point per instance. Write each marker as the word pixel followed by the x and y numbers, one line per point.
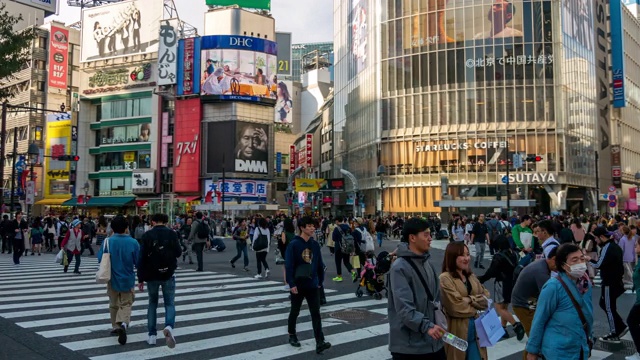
pixel 238 41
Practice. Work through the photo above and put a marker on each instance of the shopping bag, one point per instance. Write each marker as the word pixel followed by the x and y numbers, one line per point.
pixel 103 275
pixel 60 257
pixel 489 328
pixel 65 259
pixel 526 239
pixel 355 262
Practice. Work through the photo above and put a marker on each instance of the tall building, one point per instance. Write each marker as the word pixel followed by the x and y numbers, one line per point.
pixel 301 59
pixel 457 97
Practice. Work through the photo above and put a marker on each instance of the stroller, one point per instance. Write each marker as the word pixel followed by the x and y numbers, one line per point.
pixel 372 275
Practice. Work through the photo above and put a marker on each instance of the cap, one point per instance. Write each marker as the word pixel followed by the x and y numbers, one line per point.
pixel 75 223
pixel 602 231
pixel 359 220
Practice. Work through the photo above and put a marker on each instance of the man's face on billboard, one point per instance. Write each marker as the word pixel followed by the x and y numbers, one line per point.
pixel 246 142
pixel 501 12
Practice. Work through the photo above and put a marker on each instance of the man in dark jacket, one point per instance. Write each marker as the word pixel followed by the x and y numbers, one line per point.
pixel 340 257
pixel 611 269
pixel 87 239
pixel 159 253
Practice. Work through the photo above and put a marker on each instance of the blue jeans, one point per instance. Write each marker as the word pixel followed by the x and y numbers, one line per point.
pixel 473 351
pixel 241 248
pixel 380 235
pixel 168 295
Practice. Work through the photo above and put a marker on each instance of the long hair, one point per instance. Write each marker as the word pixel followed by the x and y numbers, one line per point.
pixel 285 91
pixel 451 254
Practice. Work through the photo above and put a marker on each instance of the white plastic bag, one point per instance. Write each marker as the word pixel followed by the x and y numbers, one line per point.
pixel 525 239
pixel 59 257
pixel 103 275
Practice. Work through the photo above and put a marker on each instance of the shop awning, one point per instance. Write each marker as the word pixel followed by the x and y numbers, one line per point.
pixel 71 202
pixel 188 199
pixel 58 202
pixel 110 200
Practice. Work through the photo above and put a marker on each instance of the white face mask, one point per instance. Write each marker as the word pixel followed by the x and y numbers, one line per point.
pixel 577 270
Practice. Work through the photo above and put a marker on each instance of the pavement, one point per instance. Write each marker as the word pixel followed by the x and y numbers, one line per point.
pixel 222 313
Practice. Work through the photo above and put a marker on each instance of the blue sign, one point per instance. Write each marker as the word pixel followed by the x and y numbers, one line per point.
pixel 517 161
pixel 279 162
pixel 194 81
pixel 240 43
pixel 505 179
pixel 617 53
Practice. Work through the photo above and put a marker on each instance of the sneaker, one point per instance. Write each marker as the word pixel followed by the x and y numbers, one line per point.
pixel 322 346
pixel 623 332
pixel 232 264
pixel 287 288
pixel 266 273
pixel 152 340
pixel 293 341
pixel 610 339
pixel 259 276
pixel 114 332
pixel 77 272
pixel 169 338
pixel 354 276
pixel 122 334
pixel 246 268
pixel 519 330
pixel 337 279
pixel 635 356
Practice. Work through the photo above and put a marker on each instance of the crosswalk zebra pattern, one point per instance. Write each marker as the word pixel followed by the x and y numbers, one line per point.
pixel 219 316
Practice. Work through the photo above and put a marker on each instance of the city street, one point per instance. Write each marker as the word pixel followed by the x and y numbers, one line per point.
pixel 222 313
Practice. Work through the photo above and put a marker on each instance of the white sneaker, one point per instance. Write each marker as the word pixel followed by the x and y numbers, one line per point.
pixel 258 276
pixel 287 288
pixel 169 338
pixel 635 356
pixel 266 273
pixel 151 340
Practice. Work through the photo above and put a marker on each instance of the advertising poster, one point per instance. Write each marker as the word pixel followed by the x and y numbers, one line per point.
pixel 238 68
pixel 57 143
pixel 168 52
pixel 359 22
pixel 246 189
pixel 251 153
pixel 186 140
pixel 617 53
pixel 284 103
pixel 58 57
pixel 188 66
pixel 120 29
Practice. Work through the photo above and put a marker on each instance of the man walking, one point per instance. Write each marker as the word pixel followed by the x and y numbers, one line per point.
pixel 480 237
pixel 124 253
pixel 414 333
pixel 159 253
pixel 199 236
pixel 305 276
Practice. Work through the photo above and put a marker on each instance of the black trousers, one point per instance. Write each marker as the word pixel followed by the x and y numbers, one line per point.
pixel 198 249
pixel 313 301
pixel 86 244
pixel 261 259
pixel 608 299
pixel 438 355
pixel 341 258
pixel 18 249
pixel 633 320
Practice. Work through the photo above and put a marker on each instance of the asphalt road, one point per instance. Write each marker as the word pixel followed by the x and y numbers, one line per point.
pixel 222 313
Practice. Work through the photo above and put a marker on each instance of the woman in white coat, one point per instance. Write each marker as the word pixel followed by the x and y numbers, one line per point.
pixel 262 229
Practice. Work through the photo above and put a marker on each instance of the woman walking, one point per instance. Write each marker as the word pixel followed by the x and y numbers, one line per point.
pixel 462 296
pixel 37 236
pixel 288 233
pixel 19 232
pixel 72 244
pixel 589 247
pixel 50 233
pixel 262 230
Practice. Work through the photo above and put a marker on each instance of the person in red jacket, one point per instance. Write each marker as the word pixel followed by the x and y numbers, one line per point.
pixel 72 244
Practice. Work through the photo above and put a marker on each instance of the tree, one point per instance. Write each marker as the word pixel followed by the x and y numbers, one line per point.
pixel 14 48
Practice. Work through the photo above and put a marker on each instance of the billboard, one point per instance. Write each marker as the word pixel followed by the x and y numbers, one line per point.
pixel 186 148
pixel 251 4
pixel 284 102
pixel 46 5
pixel 359 33
pixel 58 57
pixel 188 66
pixel 121 29
pixel 617 53
pixel 246 152
pixel 255 190
pixel 167 54
pixel 238 68
pixel 57 143
pixel 284 53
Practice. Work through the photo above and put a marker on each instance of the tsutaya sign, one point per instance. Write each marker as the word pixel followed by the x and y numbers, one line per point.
pixel 462 146
pixel 530 178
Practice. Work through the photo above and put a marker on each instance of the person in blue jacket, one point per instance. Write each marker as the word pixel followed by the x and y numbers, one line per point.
pixel 124 253
pixel 305 276
pixel 557 327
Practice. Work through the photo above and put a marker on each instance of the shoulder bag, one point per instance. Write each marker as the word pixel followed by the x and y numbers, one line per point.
pixel 103 275
pixel 585 326
pixel 439 316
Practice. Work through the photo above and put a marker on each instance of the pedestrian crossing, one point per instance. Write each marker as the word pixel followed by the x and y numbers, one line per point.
pixel 220 315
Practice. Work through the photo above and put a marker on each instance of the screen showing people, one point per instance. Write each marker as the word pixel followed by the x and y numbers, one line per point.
pixel 284 102
pixel 239 72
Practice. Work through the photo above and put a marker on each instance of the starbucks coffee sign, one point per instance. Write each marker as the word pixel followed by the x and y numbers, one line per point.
pixel 420 147
pixel 530 178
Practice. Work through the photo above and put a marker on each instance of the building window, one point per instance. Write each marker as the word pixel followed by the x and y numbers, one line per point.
pixel 114 186
pixel 40 85
pixel 126 108
pixel 123 134
pixel 167 184
pixel 170 155
pixel 128 160
pixel 42 42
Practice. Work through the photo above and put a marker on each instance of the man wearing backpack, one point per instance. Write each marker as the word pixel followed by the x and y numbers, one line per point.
pixel 86 238
pixel 495 229
pixel 159 253
pixel 63 228
pixel 200 237
pixel 344 248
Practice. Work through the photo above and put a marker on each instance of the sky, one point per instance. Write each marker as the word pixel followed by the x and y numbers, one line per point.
pixel 308 20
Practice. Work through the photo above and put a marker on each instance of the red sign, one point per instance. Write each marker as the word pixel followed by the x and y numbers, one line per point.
pixel 58 57
pixel 616 171
pixel 142 203
pixel 186 149
pixel 187 84
pixel 309 150
pixel 292 159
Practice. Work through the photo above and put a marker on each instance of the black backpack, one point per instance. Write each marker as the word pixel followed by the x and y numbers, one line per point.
pixel 348 243
pixel 64 228
pixel 162 260
pixel 203 230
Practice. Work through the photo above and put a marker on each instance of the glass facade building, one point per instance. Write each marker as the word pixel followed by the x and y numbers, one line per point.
pixel 298 51
pixel 459 92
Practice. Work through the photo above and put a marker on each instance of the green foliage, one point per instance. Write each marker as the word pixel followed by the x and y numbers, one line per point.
pixel 14 48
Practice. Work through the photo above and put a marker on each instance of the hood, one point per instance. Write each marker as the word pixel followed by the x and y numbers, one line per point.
pixel 403 251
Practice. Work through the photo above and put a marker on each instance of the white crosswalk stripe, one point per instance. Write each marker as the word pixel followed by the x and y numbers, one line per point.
pixel 219 316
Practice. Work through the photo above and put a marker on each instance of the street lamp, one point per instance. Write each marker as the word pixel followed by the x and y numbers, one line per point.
pixel 382 170
pixel 33 152
pixel 85 187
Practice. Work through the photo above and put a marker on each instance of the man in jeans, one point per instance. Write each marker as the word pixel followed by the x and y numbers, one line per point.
pixel 159 253
pixel 197 241
pixel 479 237
pixel 240 235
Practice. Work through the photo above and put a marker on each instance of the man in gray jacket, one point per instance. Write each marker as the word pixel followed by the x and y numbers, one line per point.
pixel 197 241
pixel 413 333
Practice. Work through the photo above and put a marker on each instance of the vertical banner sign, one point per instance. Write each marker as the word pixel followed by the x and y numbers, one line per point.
pixel 187 66
pixel 167 53
pixel 617 53
pixel 186 170
pixel 58 141
pixel 58 57
pixel 279 162
pixel 284 53
pixel 601 42
pixel 74 151
pixel 616 168
pixel 292 159
pixel 166 140
pixel 309 150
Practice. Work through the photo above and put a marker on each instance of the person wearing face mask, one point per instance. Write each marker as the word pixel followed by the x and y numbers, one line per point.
pixel 563 322
pixel 610 264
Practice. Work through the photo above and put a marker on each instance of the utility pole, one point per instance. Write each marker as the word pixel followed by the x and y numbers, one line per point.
pixel 13 167
pixel 224 178
pixel 3 140
pixel 507 183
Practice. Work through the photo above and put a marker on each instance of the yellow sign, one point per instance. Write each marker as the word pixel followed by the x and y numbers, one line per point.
pixel 309 185
pixel 129 156
pixel 56 174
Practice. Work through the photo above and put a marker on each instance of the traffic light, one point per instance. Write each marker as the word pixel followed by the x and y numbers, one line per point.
pixel 536 158
pixel 68 158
